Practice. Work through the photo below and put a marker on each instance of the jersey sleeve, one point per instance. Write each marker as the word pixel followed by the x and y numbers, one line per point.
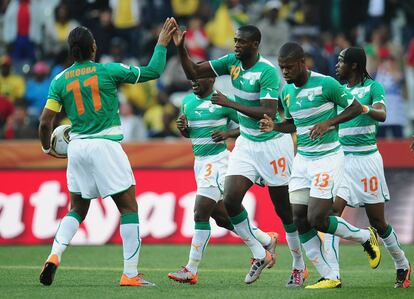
pixel 377 93
pixel 222 65
pixel 337 93
pixel 122 73
pixel 285 100
pixel 269 84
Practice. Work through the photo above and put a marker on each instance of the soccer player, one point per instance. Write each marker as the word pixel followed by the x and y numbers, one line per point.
pixel 207 125
pixel 256 155
pixel 364 182
pixel 97 164
pixel 309 100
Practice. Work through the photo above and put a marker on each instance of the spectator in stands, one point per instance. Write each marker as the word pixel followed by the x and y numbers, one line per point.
pixel 12 85
pixel 196 39
pixel 391 77
pixel 184 9
pixel 127 18
pixel 409 76
pixel 22 29
pixel 19 125
pixel 37 89
pixel 275 31
pixel 61 62
pixel 118 53
pixel 6 110
pixel 58 31
pixel 174 79
pixel 133 127
pixel 104 31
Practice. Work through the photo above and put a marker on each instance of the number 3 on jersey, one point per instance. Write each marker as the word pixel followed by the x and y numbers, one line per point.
pixel 74 86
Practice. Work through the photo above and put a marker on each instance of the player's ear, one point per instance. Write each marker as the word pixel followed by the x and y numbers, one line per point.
pixel 354 66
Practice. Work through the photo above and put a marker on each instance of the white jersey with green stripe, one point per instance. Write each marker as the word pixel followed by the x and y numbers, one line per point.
pixel 259 82
pixel 203 118
pixel 314 102
pixel 358 135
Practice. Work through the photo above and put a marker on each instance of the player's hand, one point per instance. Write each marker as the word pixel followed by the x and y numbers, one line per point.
pixel 167 32
pixel 220 99
pixel 182 123
pixel 179 35
pixel 319 130
pixel 266 124
pixel 218 136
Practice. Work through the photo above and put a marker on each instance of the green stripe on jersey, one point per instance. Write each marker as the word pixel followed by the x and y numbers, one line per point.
pixel 261 81
pixel 358 135
pixel 314 102
pixel 203 118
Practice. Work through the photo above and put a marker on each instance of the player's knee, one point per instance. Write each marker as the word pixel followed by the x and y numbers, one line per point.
pixel 223 222
pixel 300 221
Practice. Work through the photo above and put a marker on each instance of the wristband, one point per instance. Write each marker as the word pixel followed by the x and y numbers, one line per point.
pixel 46 151
pixel 365 109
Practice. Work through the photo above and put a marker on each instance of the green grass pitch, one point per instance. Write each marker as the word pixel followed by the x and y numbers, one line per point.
pixel 94 272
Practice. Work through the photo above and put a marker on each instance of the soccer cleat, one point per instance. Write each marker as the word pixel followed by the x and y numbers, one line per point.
pixel 324 283
pixel 184 276
pixel 49 269
pixel 272 247
pixel 403 278
pixel 257 265
pixel 297 278
pixel 137 281
pixel 372 249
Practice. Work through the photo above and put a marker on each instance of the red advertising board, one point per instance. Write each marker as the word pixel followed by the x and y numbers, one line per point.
pixel 32 203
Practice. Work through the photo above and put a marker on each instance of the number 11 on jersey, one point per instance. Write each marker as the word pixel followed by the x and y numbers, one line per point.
pixel 74 86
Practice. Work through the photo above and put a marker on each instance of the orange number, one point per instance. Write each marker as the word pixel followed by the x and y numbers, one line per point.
pixel 321 180
pixel 209 170
pixel 280 164
pixel 234 72
pixel 74 86
pixel 373 184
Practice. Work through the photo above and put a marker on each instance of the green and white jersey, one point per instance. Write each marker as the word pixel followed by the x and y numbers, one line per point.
pixel 358 135
pixel 314 102
pixel 261 81
pixel 88 92
pixel 203 118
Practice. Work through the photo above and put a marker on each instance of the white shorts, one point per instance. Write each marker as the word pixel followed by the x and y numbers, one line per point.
pixel 322 175
pixel 364 180
pixel 268 162
pixel 98 167
pixel 209 173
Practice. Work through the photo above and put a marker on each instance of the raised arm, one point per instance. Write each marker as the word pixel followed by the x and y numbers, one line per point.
pixel 192 70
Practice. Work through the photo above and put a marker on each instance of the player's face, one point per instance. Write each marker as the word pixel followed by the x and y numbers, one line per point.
pixel 342 69
pixel 200 86
pixel 244 47
pixel 291 68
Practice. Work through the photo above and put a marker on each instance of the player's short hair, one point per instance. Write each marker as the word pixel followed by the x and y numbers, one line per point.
pixel 80 42
pixel 253 32
pixel 291 50
pixel 357 55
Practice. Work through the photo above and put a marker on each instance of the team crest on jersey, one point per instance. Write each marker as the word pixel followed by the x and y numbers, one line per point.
pixel 361 93
pixel 287 100
pixel 311 95
pixel 252 77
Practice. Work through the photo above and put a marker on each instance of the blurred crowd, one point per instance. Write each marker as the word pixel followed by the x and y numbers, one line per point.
pixel 33 50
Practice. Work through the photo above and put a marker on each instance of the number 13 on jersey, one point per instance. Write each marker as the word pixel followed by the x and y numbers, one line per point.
pixel 75 87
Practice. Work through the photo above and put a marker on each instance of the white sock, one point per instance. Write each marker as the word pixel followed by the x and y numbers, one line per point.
pixel 331 246
pixel 199 243
pixel 261 236
pixel 131 242
pixel 341 228
pixel 312 245
pixel 244 231
pixel 67 229
pixel 393 246
pixel 295 250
